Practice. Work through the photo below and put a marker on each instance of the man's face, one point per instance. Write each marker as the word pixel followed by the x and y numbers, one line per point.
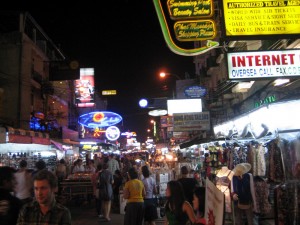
pixel 43 192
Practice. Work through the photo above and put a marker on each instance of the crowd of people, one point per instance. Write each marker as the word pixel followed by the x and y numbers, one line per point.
pixel 28 196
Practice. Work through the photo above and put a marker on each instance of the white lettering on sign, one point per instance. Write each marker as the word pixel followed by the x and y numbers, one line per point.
pixel 265 64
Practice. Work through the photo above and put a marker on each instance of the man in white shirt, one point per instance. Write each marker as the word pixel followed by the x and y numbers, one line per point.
pixel 113 164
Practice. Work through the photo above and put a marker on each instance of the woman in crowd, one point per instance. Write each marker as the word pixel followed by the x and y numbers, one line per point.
pixel 118 181
pixel 199 204
pixel 134 192
pixel 178 210
pixel 149 201
pixel 95 183
pixel 106 192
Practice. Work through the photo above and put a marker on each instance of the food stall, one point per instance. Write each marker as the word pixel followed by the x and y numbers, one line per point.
pixel 77 186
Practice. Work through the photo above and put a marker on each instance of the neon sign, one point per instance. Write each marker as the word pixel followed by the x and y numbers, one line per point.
pixel 112 133
pixel 99 119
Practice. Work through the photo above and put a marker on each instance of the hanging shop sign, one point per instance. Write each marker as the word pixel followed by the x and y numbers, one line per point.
pixel 195 30
pixel 109 92
pixel 261 18
pixel 263 64
pixel 184 105
pixel 112 133
pixel 265 101
pixel 166 121
pixel 191 121
pixel 195 92
pixel 193 23
pixel 180 9
pixel 99 119
pixel 89 146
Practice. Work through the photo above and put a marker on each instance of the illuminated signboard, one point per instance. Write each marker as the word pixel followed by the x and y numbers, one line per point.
pixel 263 64
pixel 248 18
pixel 112 133
pixel 99 119
pixel 195 91
pixel 84 88
pixel 109 92
pixel 195 30
pixel 189 25
pixel 184 106
pixel 191 121
pixel 183 9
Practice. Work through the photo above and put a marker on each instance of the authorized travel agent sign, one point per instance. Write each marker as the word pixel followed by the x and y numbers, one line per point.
pixel 249 18
pixel 263 64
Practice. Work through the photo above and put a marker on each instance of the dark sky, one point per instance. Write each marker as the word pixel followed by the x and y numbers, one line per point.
pixel 122 40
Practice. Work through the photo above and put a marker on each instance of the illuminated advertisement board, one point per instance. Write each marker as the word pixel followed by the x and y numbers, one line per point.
pixel 262 18
pixel 184 105
pixel 263 64
pixel 85 88
pixel 94 124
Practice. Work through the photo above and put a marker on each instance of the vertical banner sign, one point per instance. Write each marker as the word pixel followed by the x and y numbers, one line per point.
pixel 85 88
pixel 214 204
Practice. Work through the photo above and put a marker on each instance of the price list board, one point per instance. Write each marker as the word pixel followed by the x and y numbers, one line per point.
pixel 249 18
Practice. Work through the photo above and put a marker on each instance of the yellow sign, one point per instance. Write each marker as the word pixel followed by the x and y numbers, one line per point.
pixel 246 18
pixel 109 92
pixel 183 9
pixel 195 30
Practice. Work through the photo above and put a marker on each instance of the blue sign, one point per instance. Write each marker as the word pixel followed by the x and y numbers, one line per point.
pixel 195 92
pixel 99 119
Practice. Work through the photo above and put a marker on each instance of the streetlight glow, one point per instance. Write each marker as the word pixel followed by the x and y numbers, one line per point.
pixel 163 75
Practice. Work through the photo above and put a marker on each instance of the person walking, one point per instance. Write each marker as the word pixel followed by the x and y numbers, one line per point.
pixel 44 209
pixel 199 205
pixel 178 210
pixel 149 201
pixel 189 184
pixel 105 190
pixel 9 204
pixel 95 183
pixel 23 189
pixel 134 192
pixel 113 164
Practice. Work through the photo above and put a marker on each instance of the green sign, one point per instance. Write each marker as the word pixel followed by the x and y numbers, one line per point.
pixel 195 30
pixel 265 101
pixel 183 9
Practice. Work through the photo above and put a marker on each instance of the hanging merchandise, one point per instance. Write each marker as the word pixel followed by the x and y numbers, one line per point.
pixel 287 200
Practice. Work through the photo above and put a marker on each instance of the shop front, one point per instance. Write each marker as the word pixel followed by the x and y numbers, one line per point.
pixel 268 139
pixel 18 144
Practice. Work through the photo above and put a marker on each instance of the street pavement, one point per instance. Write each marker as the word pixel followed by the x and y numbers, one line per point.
pixel 85 214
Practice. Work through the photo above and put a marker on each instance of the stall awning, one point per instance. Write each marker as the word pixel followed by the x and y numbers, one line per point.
pixel 193 141
pixel 13 135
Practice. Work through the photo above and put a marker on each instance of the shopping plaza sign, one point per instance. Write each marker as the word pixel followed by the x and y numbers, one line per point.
pixel 188 21
pixel 263 64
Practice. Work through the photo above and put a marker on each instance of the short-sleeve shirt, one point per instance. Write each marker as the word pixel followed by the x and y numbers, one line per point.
pixel 149 184
pixel 135 188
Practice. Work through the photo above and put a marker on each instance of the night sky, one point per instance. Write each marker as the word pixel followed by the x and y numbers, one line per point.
pixel 122 40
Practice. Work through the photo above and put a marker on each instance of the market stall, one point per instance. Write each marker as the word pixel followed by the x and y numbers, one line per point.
pixel 78 186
